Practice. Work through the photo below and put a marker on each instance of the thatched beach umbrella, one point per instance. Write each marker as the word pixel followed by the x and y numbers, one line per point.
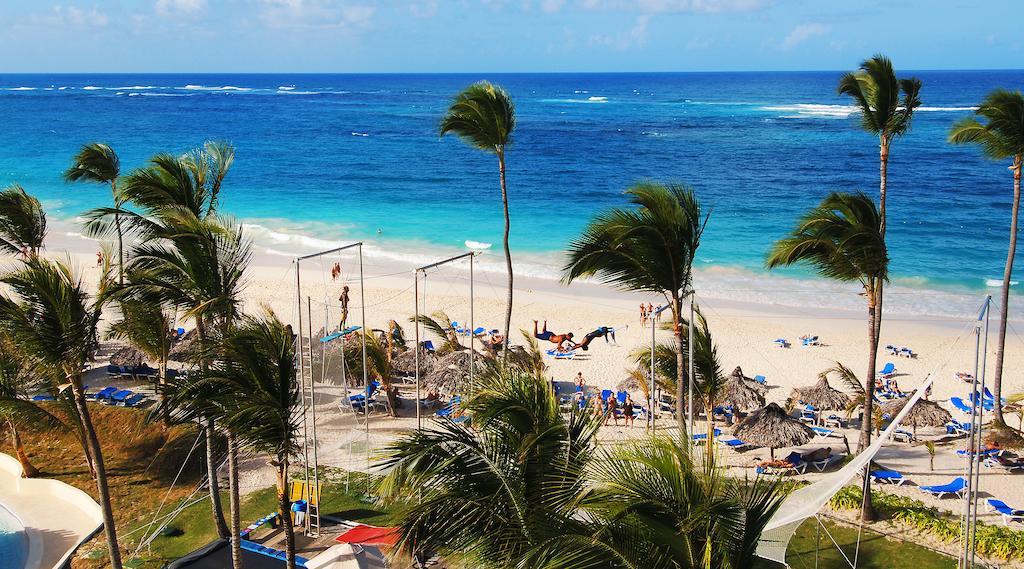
pixel 771 427
pixel 185 348
pixel 924 413
pixel 821 395
pixel 450 373
pixel 740 395
pixel 404 363
pixel 127 357
pixel 749 381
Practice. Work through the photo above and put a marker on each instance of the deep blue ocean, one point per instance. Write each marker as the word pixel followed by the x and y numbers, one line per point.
pixel 337 157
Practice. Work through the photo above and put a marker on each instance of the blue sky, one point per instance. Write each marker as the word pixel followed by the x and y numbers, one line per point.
pixel 501 35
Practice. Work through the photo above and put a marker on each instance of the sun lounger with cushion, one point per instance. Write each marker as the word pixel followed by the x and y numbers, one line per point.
pixel 959 404
pixel 957 486
pixel 134 400
pixel 903 436
pixel 1009 514
pixel 781 343
pixel 1004 463
pixel 888 370
pixel 823 432
pixel 955 427
pixel 733 443
pixel 104 393
pixel 702 438
pixel 888 477
pixel 794 464
pixel 119 397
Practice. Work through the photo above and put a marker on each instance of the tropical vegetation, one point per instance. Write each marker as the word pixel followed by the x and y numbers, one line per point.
pixel 1001 136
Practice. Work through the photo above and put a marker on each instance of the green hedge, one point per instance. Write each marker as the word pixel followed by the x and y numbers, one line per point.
pixel 991 540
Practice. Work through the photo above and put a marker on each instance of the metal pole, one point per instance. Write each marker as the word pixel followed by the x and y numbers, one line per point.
pixel 972 444
pixel 654 401
pixel 976 482
pixel 312 410
pixel 471 324
pixel 689 397
pixel 302 372
pixel 416 327
pixel 366 380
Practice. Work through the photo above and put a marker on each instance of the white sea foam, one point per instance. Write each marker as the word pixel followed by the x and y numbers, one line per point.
pixel 286 88
pixel 360 133
pixel 597 99
pixel 581 91
pixel 134 88
pixel 61 88
pixel 22 89
pixel 590 100
pixel 158 94
pixel 222 88
pixel 945 109
pixel 91 88
pixel 298 92
pixel 804 110
pixel 997 283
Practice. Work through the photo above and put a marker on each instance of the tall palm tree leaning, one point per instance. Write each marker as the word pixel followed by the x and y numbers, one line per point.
pixel 97 162
pixel 842 239
pixel 647 248
pixel 22 222
pixel 17 376
pixel 149 328
pixel 50 316
pixel 1000 137
pixel 484 117
pixel 877 93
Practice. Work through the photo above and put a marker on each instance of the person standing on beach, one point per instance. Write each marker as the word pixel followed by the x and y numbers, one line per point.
pixel 343 299
pixel 643 315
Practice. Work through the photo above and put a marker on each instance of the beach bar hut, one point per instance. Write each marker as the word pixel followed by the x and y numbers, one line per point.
pixel 771 427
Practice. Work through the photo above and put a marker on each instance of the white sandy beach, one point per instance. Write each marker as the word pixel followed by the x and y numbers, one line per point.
pixel 743 331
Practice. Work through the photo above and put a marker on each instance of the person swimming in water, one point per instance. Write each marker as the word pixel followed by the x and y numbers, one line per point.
pixel 602 332
pixel 559 339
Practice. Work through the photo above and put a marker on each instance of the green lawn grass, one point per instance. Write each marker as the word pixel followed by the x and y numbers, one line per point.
pixel 876 550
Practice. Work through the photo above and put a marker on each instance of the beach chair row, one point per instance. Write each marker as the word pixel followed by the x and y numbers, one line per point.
pixel 111 395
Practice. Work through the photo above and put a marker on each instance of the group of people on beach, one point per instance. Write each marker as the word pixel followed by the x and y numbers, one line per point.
pixel 649 313
pixel 565 342
pixel 610 408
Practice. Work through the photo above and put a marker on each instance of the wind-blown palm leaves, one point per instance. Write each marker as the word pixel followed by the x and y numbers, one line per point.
pixel 22 222
pixel 886 106
pixel 149 329
pixel 441 325
pixel 841 239
pixel 97 162
pixel 1001 136
pixel 484 117
pixel 649 248
pixel 17 376
pixel 50 316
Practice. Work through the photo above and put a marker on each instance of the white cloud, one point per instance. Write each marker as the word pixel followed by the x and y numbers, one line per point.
pixel 425 9
pixel 551 6
pixel 179 7
pixel 802 33
pixel 316 14
pixel 71 16
pixel 635 36
pixel 663 6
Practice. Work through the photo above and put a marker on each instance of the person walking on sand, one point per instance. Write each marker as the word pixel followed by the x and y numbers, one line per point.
pixel 643 315
pixel 610 405
pixel 343 299
pixel 650 313
pixel 99 258
pixel 627 411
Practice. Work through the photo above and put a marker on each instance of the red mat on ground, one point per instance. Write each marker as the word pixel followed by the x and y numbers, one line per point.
pixel 370 535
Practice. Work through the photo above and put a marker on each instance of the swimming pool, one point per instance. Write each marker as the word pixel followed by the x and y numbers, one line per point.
pixel 13 541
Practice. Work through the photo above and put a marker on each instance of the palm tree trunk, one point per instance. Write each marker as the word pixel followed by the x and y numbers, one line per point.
pixel 284 510
pixel 120 233
pixel 883 179
pixel 214 484
pixel 109 526
pixel 234 502
pixel 165 413
pixel 997 380
pixel 680 360
pixel 27 469
pixel 508 256
pixel 868 511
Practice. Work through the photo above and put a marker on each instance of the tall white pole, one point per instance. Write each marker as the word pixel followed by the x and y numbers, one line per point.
pixel 312 416
pixel 416 327
pixel 980 404
pixel 654 398
pixel 366 380
pixel 472 326
pixel 302 372
pixel 689 398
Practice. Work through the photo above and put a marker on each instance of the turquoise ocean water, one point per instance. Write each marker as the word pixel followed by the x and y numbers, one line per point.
pixel 327 158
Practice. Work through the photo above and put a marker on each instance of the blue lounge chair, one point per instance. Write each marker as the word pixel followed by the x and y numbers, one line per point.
pixel 702 438
pixel 823 432
pixel 796 465
pixel 959 404
pixel 983 454
pixel 1009 514
pixel 605 394
pixel 987 404
pixel 450 408
pixel 888 477
pixel 134 400
pixel 761 379
pixel 733 443
pixel 561 354
pixel 428 346
pixel 1003 463
pixel 113 370
pixel 955 427
pixel 620 397
pixel 104 393
pixel 458 329
pixel 903 436
pixel 992 398
pixel 821 465
pixel 957 486
pixel 43 397
pixel 810 341
pixel 480 331
pixel 888 370
pixel 119 397
pixel 180 331
pixel 809 414
pixel 781 343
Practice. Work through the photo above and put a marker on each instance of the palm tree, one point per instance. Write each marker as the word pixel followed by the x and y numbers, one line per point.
pixel 648 248
pixel 877 93
pixel 484 117
pixel 51 318
pixel 97 162
pixel 258 371
pixel 492 493
pixel 441 325
pixel 17 376
pixel 842 240
pixel 22 222
pixel 1000 137
pixel 150 329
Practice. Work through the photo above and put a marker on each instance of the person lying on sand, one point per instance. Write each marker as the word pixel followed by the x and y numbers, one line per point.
pixel 559 339
pixel 495 340
pixel 602 332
